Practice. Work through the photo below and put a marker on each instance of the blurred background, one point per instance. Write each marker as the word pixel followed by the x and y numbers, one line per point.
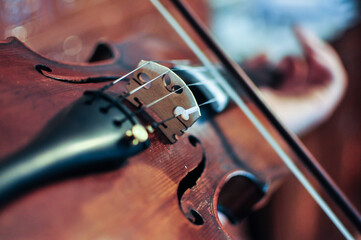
pixel 68 30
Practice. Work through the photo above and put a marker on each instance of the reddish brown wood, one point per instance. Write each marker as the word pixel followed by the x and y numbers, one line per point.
pixel 292 214
pixel 139 200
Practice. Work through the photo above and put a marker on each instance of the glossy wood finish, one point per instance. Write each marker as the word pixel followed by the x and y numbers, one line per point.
pixel 140 199
pixel 93 207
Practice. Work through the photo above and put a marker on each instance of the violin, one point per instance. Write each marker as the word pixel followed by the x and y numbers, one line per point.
pixel 104 150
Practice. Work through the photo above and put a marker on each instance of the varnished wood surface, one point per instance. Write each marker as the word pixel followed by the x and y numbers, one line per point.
pixel 138 200
pixel 55 30
pixel 69 30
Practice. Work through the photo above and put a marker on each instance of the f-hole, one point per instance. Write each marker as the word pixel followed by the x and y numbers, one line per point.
pixel 40 68
pixel 239 195
pixel 196 218
pixel 189 181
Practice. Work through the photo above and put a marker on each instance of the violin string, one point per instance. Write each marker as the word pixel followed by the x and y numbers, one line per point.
pixel 142 86
pixel 160 99
pixel 122 77
pixel 187 111
pixel 174 91
pixel 175 61
pixel 208 102
pixel 259 126
pixel 122 97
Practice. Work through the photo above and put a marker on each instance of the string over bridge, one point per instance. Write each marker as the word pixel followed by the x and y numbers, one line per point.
pixel 167 83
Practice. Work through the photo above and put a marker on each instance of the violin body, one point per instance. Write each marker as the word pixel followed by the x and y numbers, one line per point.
pixel 167 191
pixel 220 166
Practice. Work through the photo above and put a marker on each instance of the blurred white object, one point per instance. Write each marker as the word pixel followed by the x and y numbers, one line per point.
pixel 324 86
pixel 250 27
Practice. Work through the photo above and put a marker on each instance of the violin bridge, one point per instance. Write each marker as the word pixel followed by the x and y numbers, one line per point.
pixel 166 95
